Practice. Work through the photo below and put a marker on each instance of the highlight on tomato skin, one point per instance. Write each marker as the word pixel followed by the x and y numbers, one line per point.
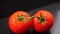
pixel 43 21
pixel 19 23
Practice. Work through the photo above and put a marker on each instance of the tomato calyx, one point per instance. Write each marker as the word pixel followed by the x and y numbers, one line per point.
pixel 42 19
pixel 21 17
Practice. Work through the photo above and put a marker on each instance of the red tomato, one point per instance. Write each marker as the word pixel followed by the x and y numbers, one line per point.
pixel 18 22
pixel 43 21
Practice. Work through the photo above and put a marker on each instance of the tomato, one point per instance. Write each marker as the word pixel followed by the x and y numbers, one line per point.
pixel 19 23
pixel 43 21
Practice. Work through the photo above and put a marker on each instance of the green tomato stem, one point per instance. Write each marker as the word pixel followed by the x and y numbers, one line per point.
pixel 21 17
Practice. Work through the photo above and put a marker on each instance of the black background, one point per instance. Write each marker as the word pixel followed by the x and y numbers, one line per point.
pixel 10 6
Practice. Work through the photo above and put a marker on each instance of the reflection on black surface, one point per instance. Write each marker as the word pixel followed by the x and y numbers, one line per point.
pixel 34 32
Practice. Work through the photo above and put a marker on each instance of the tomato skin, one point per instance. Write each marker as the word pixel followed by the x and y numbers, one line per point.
pixel 19 27
pixel 43 26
